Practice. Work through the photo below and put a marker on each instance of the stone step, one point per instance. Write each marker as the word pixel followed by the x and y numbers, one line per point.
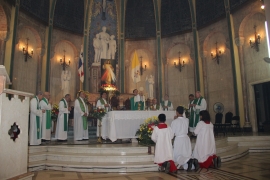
pixel 118 149
pixel 260 149
pixel 233 154
pixel 222 148
pixel 93 167
pixel 86 157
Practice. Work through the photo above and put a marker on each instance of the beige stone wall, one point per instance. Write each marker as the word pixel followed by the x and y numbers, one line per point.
pixel 146 49
pixel 178 85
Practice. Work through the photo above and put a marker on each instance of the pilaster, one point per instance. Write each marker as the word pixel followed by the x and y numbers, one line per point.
pixel 236 70
pixel 157 4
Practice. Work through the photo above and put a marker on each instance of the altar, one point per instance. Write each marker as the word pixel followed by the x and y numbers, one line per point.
pixel 124 124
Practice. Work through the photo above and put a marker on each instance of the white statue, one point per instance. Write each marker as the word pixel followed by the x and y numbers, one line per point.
pixel 150 86
pixel 112 48
pixel 97 47
pixel 104 37
pixel 65 79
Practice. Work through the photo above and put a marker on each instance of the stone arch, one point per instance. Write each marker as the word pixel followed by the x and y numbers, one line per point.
pixel 245 21
pixel 3 24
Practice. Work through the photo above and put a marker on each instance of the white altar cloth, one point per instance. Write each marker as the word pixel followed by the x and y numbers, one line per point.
pixel 124 124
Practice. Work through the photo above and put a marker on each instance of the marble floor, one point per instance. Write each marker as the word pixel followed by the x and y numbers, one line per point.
pixel 251 166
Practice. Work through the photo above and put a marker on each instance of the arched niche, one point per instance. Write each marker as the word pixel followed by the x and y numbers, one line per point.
pixel 219 76
pixel 181 83
pixel 71 54
pixel 26 69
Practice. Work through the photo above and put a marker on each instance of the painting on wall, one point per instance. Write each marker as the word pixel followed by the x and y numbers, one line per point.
pixel 108 71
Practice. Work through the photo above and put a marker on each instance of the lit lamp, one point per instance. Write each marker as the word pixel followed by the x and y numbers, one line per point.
pixel 25 51
pixel 63 62
pixel 179 65
pixel 141 67
pixel 257 40
pixel 218 54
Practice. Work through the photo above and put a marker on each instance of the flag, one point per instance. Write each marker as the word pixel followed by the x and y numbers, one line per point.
pixel 135 68
pixel 80 67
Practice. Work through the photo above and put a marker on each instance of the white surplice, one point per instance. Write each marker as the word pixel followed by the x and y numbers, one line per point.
pixel 34 111
pixel 205 144
pixel 182 147
pixel 163 139
pixel 59 132
pixel 46 133
pixel 79 132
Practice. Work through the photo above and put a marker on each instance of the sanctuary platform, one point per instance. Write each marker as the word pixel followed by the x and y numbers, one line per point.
pixel 129 157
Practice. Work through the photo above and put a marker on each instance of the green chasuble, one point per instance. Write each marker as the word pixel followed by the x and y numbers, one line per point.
pixel 65 116
pixel 48 116
pixel 38 121
pixel 195 115
pixel 163 104
pixel 84 118
pixel 133 106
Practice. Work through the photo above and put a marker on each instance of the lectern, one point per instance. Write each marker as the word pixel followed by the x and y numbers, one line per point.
pixel 14 110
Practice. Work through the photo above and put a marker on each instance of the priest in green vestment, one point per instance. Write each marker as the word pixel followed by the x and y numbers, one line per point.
pixel 80 118
pixel 102 102
pixel 62 120
pixel 135 101
pixel 166 104
pixel 35 120
pixel 199 104
pixel 45 104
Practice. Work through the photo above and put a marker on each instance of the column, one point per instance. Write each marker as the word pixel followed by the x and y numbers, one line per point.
pixel 11 42
pixel 160 71
pixel 240 42
pixel 199 86
pixel 45 75
pixel 237 82
pixel 122 46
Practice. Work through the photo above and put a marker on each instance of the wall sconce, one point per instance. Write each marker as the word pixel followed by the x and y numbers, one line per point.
pixel 179 65
pixel 262 6
pixel 141 67
pixel 257 40
pixel 218 54
pixel 25 51
pixel 64 64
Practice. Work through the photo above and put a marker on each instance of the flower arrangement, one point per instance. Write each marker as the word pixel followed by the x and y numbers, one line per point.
pixel 98 113
pixel 109 88
pixel 55 112
pixel 146 130
pixel 186 110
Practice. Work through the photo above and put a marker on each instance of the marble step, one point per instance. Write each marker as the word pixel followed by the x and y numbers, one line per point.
pixel 86 157
pixel 260 149
pixel 233 154
pixel 98 149
pixel 93 167
pixel 249 139
pixel 225 147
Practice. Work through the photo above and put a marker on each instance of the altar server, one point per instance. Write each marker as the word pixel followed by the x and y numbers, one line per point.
pixel 62 120
pixel 102 102
pixel 45 104
pixel 166 104
pixel 162 135
pixel 35 120
pixel 182 147
pixel 205 147
pixel 199 104
pixel 80 118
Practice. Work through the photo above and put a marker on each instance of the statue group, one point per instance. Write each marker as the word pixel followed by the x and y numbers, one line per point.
pixel 104 46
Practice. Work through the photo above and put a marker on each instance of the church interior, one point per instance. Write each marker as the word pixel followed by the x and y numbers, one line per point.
pixel 161 48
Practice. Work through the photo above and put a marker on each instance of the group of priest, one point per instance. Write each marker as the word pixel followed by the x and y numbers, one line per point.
pixel 41 123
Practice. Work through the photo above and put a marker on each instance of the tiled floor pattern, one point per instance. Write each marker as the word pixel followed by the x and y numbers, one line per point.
pixel 252 166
